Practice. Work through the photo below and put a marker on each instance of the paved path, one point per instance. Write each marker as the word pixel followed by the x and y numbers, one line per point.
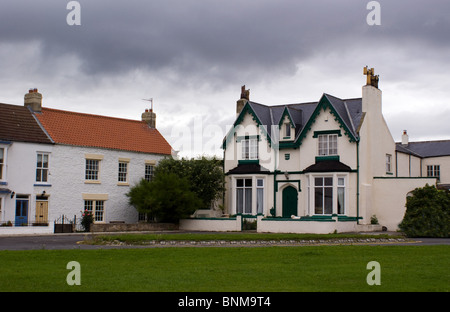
pixel 71 241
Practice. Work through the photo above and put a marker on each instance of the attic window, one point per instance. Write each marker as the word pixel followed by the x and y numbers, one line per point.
pixel 287 132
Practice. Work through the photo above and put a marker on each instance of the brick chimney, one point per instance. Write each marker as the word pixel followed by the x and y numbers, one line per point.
pixel 33 100
pixel 245 96
pixel 149 117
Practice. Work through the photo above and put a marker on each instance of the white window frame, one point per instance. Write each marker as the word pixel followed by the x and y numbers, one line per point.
pixel 97 208
pixel 92 170
pixel 339 187
pixel 250 149
pixel 247 206
pixel 434 171
pixel 149 172
pixel 260 195
pixel 327 144
pixel 388 163
pixel 122 175
pixel 3 163
pixel 41 169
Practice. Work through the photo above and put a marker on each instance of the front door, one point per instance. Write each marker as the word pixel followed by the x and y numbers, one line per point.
pixel 21 212
pixel 290 198
pixel 41 211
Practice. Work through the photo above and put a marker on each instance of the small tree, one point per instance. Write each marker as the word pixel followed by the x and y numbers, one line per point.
pixel 427 213
pixel 167 198
pixel 205 176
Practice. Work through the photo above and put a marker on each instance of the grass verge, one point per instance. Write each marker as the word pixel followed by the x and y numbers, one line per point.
pixel 266 269
pixel 143 239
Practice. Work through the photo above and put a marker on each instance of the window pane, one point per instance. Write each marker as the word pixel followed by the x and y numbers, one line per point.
pixel 341 181
pixel 259 200
pixel 288 130
pixel 318 181
pixel 260 182
pixel 328 200
pixel 239 200
pixel 341 200
pixel 39 161
pixel 45 161
pixel 248 200
pixel 318 200
pixel 329 181
pixel 240 182
pixel 248 182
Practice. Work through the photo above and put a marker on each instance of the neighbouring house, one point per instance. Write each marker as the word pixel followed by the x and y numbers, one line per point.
pixel 324 166
pixel 74 161
pixel 24 175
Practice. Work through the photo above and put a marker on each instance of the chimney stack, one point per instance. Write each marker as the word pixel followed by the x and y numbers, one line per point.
pixel 405 138
pixel 149 117
pixel 245 96
pixel 33 100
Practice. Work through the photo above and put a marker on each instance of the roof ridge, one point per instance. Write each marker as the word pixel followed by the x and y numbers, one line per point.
pixel 89 114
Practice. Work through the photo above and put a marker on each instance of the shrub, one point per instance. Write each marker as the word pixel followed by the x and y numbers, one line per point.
pixel 86 220
pixel 167 198
pixel 427 213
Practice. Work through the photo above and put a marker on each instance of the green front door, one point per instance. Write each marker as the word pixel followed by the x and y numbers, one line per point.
pixel 290 198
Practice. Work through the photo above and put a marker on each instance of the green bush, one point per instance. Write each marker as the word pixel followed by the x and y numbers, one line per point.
pixel 167 198
pixel 427 213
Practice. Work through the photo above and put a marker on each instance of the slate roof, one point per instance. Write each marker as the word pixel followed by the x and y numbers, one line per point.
pixel 425 149
pixel 349 111
pixel 17 124
pixel 80 129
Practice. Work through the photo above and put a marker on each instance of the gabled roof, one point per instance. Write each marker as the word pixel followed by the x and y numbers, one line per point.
pixel 425 149
pixel 347 113
pixel 79 129
pixel 17 124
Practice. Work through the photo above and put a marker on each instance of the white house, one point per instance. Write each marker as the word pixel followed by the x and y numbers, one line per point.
pixel 324 166
pixel 24 158
pixel 89 162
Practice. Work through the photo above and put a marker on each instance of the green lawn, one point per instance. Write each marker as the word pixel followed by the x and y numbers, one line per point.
pixel 251 269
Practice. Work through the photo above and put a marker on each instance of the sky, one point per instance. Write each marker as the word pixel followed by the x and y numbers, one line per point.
pixel 192 57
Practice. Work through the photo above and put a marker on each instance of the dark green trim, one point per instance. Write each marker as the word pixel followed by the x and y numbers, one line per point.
pixel 286 112
pixel 410 178
pixel 286 181
pixel 248 161
pixel 317 133
pixel 324 103
pixel 248 137
pixel 324 158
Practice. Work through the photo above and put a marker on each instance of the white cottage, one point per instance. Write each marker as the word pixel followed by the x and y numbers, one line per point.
pixel 89 162
pixel 321 167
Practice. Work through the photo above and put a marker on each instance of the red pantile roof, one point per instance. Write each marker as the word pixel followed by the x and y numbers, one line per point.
pixel 80 129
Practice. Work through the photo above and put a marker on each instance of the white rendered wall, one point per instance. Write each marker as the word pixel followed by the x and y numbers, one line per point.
pixel 69 187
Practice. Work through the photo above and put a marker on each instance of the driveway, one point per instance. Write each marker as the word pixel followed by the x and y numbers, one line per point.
pixel 70 241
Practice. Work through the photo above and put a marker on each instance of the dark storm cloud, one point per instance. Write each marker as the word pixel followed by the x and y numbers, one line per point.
pixel 214 38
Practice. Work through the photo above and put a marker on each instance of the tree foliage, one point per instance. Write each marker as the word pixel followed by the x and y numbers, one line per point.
pixel 167 198
pixel 178 189
pixel 205 176
pixel 427 213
